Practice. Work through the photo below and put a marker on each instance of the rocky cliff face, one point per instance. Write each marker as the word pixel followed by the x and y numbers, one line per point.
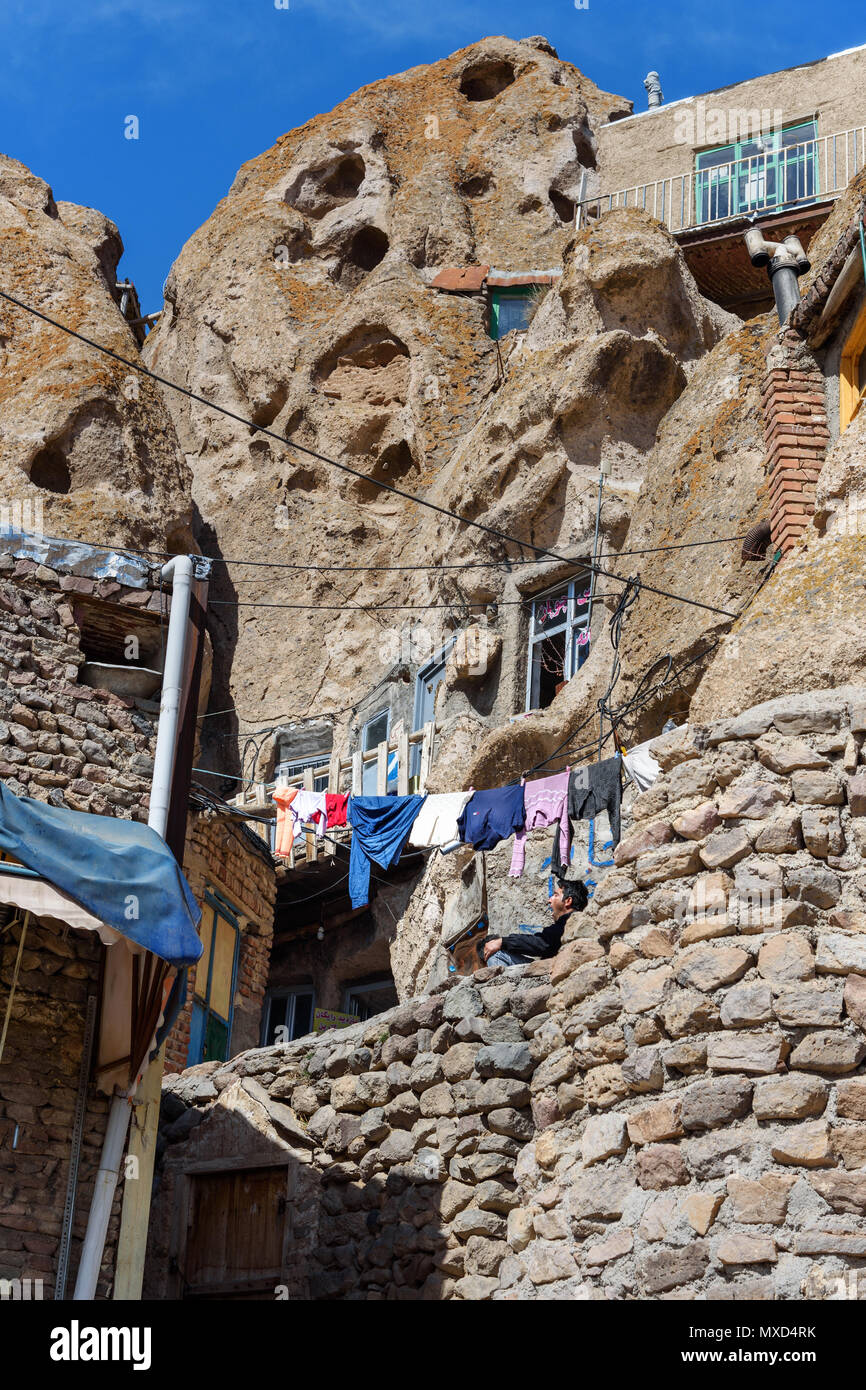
pixel 306 302
pixel 80 434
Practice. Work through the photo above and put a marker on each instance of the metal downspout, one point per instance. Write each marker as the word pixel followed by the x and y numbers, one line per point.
pixel 179 572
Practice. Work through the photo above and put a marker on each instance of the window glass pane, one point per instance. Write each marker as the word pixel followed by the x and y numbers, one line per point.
pixel 276 1018
pixel 551 612
pixel 223 965
pixel 710 159
pixel 303 1015
pixel 513 312
pixel 201 969
pixel 376 731
pixel 797 134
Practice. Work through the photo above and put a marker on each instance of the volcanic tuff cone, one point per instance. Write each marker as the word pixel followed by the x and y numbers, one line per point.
pixel 305 303
pixel 83 435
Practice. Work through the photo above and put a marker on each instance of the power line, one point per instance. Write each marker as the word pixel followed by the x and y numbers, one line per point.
pixel 334 463
pixel 423 607
pixel 403 569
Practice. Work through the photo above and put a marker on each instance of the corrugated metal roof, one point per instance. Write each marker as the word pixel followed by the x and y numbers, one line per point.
pixel 504 278
pixel 467 277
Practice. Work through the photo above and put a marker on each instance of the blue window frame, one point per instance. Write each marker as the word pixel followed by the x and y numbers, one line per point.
pixel 511 307
pixel 215 982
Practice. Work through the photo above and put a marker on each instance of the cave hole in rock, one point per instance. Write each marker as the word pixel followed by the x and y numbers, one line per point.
pixel 49 470
pixel 368 247
pixel 345 178
pixel 484 81
pixel 392 466
pixel 269 404
pixel 368 366
pixel 562 206
pixel 475 186
pixel 584 147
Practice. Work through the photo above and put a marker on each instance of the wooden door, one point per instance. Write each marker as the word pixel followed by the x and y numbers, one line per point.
pixel 235 1235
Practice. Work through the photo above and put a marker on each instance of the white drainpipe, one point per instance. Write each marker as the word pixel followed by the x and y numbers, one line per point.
pixel 179 572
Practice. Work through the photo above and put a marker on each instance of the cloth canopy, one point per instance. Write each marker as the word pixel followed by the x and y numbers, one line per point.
pixel 119 871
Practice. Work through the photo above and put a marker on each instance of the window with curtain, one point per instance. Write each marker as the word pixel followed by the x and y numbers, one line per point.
pixel 558 640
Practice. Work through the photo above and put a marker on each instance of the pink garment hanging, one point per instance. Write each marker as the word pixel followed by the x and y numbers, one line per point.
pixel 285 838
pixel 546 802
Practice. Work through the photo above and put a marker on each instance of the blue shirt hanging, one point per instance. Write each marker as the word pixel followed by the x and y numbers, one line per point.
pixel 380 829
pixel 492 816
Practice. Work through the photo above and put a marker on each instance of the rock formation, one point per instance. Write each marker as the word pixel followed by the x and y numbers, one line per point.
pixel 305 302
pixel 82 435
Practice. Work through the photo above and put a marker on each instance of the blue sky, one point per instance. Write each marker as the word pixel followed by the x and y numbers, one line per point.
pixel 214 82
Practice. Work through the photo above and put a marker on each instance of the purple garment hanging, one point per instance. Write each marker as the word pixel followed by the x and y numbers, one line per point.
pixel 546 802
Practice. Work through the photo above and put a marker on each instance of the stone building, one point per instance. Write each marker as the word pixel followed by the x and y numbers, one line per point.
pixel 778 148
pixel 672 1107
pixel 80 632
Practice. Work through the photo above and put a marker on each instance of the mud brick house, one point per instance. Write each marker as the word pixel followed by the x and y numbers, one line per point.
pixel 778 148
pixel 80 655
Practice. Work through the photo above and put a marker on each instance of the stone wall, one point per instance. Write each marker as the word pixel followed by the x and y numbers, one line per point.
pixel 67 744
pixel 60 740
pixel 38 1086
pixel 673 1107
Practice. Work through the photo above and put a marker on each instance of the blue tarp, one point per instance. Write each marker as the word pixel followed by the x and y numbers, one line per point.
pixel 119 870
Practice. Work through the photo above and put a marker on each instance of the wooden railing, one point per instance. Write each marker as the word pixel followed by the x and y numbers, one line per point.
pixel 345 775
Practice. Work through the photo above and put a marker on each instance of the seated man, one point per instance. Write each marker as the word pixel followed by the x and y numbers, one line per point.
pixel 569 895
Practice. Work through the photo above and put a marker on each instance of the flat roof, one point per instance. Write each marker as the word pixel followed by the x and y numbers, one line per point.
pixel 680 101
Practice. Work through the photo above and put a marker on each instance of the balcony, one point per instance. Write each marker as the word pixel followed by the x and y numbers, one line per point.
pixel 772 181
pixel 401 762
pixel 788 187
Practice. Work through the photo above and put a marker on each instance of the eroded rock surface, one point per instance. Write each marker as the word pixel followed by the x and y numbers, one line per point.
pixel 82 435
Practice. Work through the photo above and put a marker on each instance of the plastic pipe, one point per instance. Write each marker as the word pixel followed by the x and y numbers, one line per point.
pixel 179 572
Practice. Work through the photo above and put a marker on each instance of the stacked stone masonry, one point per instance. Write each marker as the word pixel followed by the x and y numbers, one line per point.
pixel 66 744
pixel 674 1107
pixel 61 741
pixel 795 435
pixel 40 1071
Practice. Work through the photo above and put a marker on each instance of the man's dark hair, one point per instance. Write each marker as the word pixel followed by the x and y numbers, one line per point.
pixel 575 889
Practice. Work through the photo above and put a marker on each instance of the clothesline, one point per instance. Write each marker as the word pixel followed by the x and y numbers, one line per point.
pixel 383 825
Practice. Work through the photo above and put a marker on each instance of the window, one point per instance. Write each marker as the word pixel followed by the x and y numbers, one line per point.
pixel 366 1000
pixel 374 732
pixel 768 171
pixel 852 374
pixel 289 1010
pixel 318 761
pixel 427 682
pixel 511 307
pixel 558 640
pixel 213 992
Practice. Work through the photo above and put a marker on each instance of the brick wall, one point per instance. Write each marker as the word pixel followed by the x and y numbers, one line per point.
pixel 795 435
pixel 220 855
